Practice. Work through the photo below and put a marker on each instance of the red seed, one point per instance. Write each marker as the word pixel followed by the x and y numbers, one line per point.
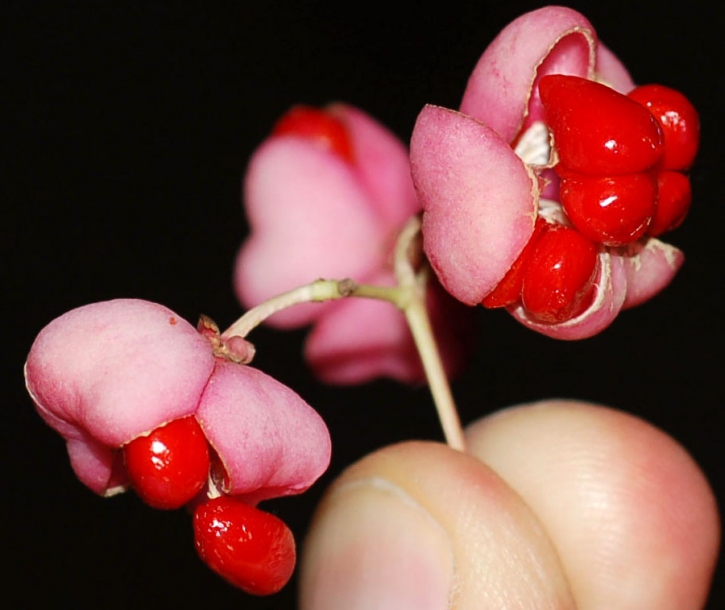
pixel 611 210
pixel 319 126
pixel 558 275
pixel 673 202
pixel 679 122
pixel 249 548
pixel 170 466
pixel 598 130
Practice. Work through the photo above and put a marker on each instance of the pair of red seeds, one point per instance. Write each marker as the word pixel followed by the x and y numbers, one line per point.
pixel 248 547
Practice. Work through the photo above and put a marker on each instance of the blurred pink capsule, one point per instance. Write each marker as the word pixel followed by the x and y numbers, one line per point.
pixel 316 213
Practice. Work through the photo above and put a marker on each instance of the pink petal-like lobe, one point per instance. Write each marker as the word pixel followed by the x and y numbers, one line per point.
pixel 479 201
pixel 309 218
pixel 97 466
pixel 270 441
pixel 650 267
pixel 382 165
pixel 611 71
pixel 105 373
pixel 550 40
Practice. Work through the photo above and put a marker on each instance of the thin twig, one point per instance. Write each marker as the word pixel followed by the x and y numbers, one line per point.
pixel 416 314
pixel 314 292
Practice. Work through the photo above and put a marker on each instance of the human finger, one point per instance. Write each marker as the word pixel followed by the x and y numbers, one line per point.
pixel 629 511
pixel 419 525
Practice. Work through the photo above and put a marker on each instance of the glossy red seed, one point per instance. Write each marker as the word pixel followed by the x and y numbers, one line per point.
pixel 508 290
pixel 249 548
pixel 170 466
pixel 322 127
pixel 678 119
pixel 598 130
pixel 611 210
pixel 558 276
pixel 673 202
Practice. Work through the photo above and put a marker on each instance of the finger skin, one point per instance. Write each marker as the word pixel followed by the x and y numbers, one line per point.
pixel 598 510
pixel 501 556
pixel 631 514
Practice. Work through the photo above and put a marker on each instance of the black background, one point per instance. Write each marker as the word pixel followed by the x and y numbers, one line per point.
pixel 125 132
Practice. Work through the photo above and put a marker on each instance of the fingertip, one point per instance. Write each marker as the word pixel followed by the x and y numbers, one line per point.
pixel 628 509
pixel 418 525
pixel 373 546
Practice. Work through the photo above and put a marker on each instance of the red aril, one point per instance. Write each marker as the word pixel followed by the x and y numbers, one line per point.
pixel 249 548
pixel 673 202
pixel 611 210
pixel 679 122
pixel 598 130
pixel 322 127
pixel 168 467
pixel 508 290
pixel 558 276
